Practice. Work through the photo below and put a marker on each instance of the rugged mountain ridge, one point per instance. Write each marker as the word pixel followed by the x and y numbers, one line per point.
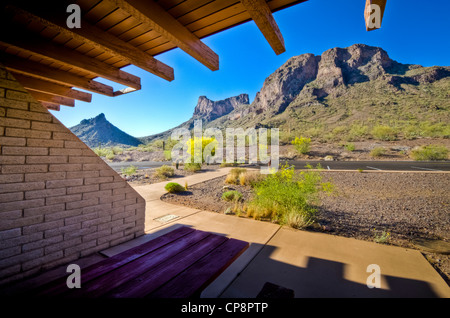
pixel 98 131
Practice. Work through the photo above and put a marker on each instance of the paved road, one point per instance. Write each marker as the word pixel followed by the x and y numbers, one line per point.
pixel 378 165
pixel 337 165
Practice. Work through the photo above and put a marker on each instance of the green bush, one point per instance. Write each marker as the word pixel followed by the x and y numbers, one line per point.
pixel 288 198
pixel 350 147
pixel 231 196
pixel 378 152
pixel 431 152
pixel 302 144
pixel 173 187
pixel 385 133
pixel 193 167
pixel 130 170
pixel 164 172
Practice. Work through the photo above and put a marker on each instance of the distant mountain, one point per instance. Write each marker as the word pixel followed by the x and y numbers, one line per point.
pixel 99 131
pixel 357 88
pixel 207 110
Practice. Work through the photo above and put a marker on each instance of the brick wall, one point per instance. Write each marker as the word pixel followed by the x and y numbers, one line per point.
pixel 58 200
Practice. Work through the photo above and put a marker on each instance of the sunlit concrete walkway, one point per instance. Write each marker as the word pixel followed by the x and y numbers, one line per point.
pixel 301 263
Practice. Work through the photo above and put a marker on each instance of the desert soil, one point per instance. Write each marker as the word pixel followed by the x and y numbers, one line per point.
pixel 408 206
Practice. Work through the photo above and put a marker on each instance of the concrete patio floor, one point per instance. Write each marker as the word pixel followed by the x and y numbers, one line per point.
pixel 307 263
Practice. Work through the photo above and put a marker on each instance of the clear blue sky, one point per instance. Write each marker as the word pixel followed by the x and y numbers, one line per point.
pixel 413 31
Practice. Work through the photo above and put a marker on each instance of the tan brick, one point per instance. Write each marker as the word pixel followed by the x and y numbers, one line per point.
pixel 62 230
pixel 35 228
pixel 80 218
pixel 96 235
pixel 22 239
pixel 16 123
pixel 12 233
pixel 31 142
pixel 65 167
pixel 74 144
pixel 73 159
pixel 37 107
pixel 11 178
pixel 46 159
pixel 2 112
pixel 89 153
pixel 82 174
pixel 17 104
pixel 11 224
pixel 5 160
pixel 8 252
pixel 64 152
pixel 12 141
pixel 113 198
pixel 52 184
pixel 113 185
pixel 78 248
pixel 98 208
pixel 108 173
pixel 41 243
pixel 2 92
pixel 80 233
pixel 11 215
pixel 25 186
pixel 110 225
pixel 2 129
pixel 97 221
pixel 24 114
pixel 24 168
pixel 62 245
pixel 84 188
pixel 10 84
pixel 61 261
pixel 12 196
pixel 23 257
pixel 27 133
pixel 14 94
pixel 44 210
pixel 48 126
pixel 62 199
pixel 97 194
pixel 97 180
pixel 62 214
pixel 27 151
pixel 42 260
pixel 110 238
pixel 65 136
pixel 82 203
pixel 44 193
pixel 48 176
pixel 93 166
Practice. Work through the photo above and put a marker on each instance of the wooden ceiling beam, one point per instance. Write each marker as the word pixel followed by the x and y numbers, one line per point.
pixel 97 38
pixel 51 106
pixel 260 12
pixel 51 88
pixel 152 14
pixel 32 43
pixel 35 69
pixel 44 97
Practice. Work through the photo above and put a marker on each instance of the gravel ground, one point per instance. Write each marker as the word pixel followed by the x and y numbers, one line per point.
pixel 406 205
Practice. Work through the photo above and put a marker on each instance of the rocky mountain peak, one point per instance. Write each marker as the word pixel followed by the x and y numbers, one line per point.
pixel 209 110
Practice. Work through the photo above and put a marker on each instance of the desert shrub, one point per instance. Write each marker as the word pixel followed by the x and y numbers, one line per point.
pixel 302 144
pixel 228 164
pixel 129 171
pixel 350 147
pixel 431 152
pixel 357 132
pixel 339 132
pixel 192 167
pixel 117 150
pixel 250 178
pixel 437 130
pixel 231 196
pixel 378 152
pixel 411 132
pixel 287 197
pixel 173 187
pixel 233 175
pixel 201 142
pixel 164 172
pixel 385 133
